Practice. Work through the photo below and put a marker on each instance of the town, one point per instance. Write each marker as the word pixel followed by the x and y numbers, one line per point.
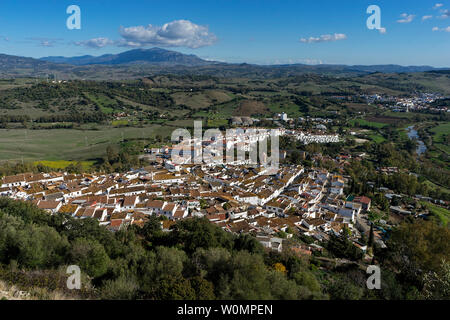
pixel 239 199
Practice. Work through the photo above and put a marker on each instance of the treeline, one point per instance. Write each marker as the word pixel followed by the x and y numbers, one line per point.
pixel 92 117
pixel 82 117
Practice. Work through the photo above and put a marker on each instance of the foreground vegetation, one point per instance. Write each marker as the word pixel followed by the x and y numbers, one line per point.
pixel 198 260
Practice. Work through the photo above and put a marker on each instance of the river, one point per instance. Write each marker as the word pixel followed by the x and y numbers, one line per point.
pixel 412 134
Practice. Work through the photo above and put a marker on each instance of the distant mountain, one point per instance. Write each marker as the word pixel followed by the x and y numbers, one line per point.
pixel 392 68
pixel 388 68
pixel 154 56
pixel 14 66
pixel 141 63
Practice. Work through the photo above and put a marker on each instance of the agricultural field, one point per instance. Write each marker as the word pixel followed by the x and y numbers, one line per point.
pixel 377 138
pixel 69 144
pixel 441 213
pixel 199 100
pixel 76 120
pixel 62 164
pixel 439 134
pixel 291 109
pixel 365 123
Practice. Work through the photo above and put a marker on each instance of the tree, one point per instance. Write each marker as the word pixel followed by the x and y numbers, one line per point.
pixel 151 228
pixel 249 243
pixel 342 247
pixel 90 256
pixel 204 290
pixel 371 236
pixel 123 288
pixel 342 289
pixel 417 248
pixel 437 283
pixel 200 233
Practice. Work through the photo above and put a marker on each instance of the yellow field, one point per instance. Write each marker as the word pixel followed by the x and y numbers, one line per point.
pixel 61 164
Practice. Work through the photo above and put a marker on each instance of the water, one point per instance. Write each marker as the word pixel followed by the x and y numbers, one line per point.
pixel 412 134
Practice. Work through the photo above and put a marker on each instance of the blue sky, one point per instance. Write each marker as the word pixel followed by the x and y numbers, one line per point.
pixel 253 31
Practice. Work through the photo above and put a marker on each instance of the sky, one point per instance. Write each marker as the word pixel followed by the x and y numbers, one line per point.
pixel 414 32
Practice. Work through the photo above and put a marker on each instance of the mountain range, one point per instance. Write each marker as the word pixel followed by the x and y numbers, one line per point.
pixel 154 56
pixel 144 62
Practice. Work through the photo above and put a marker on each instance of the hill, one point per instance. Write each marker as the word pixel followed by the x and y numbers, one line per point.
pixel 154 56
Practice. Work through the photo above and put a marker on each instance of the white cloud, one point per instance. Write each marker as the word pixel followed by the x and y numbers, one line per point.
pixel 426 18
pixel 95 43
pixel 443 29
pixel 324 38
pixel 382 30
pixel 44 42
pixel 406 18
pixel 438 5
pixel 178 33
pixel 445 14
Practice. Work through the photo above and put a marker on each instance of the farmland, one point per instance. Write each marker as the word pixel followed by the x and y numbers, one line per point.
pixel 440 133
pixel 441 213
pixel 69 144
pixel 77 120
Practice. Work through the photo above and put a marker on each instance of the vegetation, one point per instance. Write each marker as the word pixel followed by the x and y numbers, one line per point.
pixel 197 260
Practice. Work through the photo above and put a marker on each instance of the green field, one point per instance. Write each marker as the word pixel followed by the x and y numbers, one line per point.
pixel 222 111
pixel 292 110
pixel 438 137
pixel 362 122
pixel 117 123
pixel 441 213
pixel 440 131
pixel 69 144
pixel 377 138
pixel 106 104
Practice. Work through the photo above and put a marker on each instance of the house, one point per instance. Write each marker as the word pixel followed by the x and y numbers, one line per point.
pixel 155 206
pixel 180 214
pixel 115 225
pixel 313 224
pixel 193 204
pixel 130 202
pixel 49 205
pixel 86 213
pixel 13 181
pixel 250 198
pixel 278 207
pixel 70 209
pixel 364 201
pixel 169 209
pixel 272 243
pixel 101 214
pixel 355 206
